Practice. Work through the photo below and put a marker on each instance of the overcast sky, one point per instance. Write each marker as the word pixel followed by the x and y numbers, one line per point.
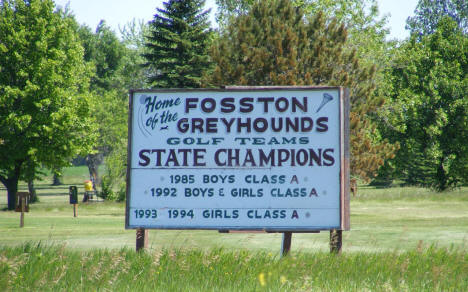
pixel 120 12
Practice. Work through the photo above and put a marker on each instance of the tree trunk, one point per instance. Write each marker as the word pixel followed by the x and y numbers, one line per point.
pixel 57 179
pixel 11 184
pixel 32 191
pixel 12 189
pixel 441 176
pixel 93 161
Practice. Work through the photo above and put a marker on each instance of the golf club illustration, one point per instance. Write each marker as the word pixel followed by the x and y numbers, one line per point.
pixel 326 99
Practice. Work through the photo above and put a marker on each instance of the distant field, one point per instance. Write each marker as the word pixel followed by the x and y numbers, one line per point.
pixel 391 219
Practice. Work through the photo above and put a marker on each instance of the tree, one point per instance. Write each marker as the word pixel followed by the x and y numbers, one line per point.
pixel 29 174
pixel 428 13
pixel 230 9
pixel 117 69
pixel 366 31
pixel 44 117
pixel 106 53
pixel 430 108
pixel 133 76
pixel 133 38
pixel 57 177
pixel 273 44
pixel 178 44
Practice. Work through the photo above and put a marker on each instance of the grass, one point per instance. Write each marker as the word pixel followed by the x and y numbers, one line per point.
pixel 38 268
pixel 401 238
pixel 392 219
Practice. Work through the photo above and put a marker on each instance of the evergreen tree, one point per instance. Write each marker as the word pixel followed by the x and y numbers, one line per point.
pixel 178 45
pixel 274 44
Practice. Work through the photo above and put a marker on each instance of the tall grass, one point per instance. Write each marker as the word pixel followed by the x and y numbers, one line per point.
pixel 34 267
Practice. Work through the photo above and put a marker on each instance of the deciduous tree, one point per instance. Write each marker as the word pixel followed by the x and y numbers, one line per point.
pixel 430 107
pixel 106 53
pixel 132 77
pixel 428 13
pixel 117 65
pixel 44 112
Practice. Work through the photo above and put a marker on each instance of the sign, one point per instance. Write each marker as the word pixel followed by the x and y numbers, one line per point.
pixel 73 193
pixel 22 202
pixel 257 158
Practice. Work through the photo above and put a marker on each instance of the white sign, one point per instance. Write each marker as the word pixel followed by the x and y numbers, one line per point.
pixel 241 158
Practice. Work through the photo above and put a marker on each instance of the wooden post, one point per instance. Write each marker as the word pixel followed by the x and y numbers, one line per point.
pixel 286 243
pixel 336 241
pixel 23 204
pixel 141 239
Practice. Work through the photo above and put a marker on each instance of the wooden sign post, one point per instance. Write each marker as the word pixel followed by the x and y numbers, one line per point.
pixel 73 192
pixel 336 241
pixel 141 239
pixel 286 243
pixel 22 205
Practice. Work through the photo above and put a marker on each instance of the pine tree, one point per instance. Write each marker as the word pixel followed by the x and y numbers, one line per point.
pixel 178 44
pixel 274 44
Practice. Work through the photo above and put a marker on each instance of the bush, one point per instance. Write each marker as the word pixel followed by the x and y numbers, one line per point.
pixel 113 181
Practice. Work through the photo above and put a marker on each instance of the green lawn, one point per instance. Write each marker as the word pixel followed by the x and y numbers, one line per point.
pixel 391 219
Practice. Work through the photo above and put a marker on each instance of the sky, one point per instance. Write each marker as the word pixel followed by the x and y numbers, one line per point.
pixel 120 12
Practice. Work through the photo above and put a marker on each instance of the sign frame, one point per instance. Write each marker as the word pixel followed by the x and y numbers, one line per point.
pixel 344 154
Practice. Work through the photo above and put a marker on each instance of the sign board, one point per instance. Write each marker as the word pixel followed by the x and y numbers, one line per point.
pixel 73 193
pixel 239 158
pixel 22 197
